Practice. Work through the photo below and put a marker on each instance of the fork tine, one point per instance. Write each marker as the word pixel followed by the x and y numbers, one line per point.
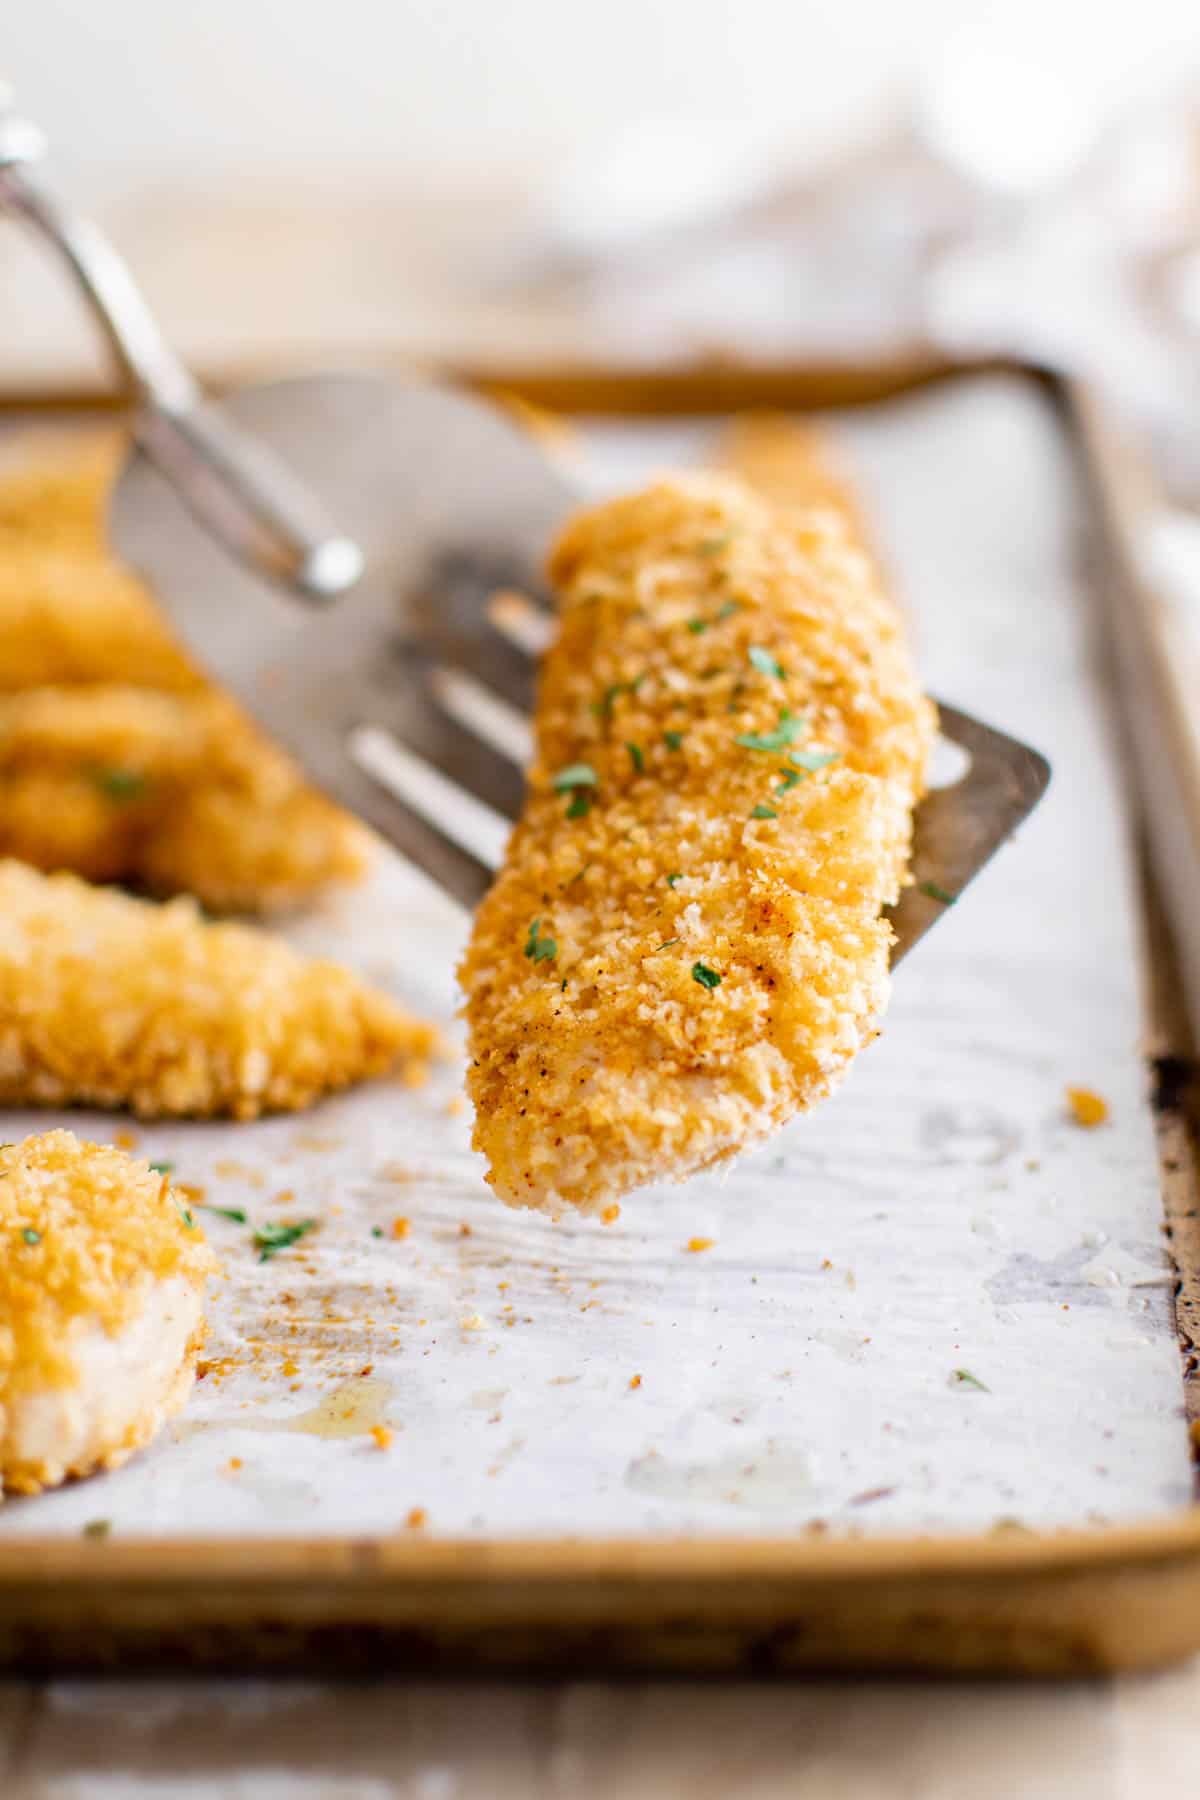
pixel 463 875
pixel 957 829
pixel 426 726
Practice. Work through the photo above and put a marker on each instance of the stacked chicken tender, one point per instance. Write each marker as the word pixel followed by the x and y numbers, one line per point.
pixel 117 761
pixel 684 946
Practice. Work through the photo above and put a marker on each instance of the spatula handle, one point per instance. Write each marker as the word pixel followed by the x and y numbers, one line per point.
pixel 234 485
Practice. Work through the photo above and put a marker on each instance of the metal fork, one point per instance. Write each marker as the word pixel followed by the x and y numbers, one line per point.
pixel 375 649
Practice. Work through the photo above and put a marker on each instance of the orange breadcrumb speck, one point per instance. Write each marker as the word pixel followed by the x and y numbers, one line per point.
pixel 401 1228
pixel 234 1464
pixel 382 1435
pixel 417 1518
pixel 125 1140
pixel 700 1243
pixel 1087 1108
pixel 635 1381
pixel 610 1215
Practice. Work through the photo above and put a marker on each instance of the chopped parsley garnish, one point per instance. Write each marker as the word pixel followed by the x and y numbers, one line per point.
pixel 580 806
pixel 97 1528
pixel 163 1168
pixel 377 1231
pixel 764 812
pixel 604 706
pixel 786 732
pixel 788 779
pixel 185 1215
pixel 120 784
pixel 575 775
pixel 269 1240
pixel 540 949
pixel 964 1378
pixel 636 757
pixel 673 740
pixel 696 626
pixel 729 607
pixel 714 545
pixel 31 1236
pixel 936 893
pixel 668 943
pixel 764 662
pixel 708 978
pixel 578 875
pixel 235 1214
pixel 676 875
pixel 812 760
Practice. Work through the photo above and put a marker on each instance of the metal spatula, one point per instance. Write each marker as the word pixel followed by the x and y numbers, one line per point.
pixel 375 648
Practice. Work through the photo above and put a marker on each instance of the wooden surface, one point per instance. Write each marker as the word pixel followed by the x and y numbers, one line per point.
pixel 1134 1738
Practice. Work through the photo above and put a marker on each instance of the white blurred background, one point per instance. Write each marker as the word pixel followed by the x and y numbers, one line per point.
pixel 295 178
pixel 137 93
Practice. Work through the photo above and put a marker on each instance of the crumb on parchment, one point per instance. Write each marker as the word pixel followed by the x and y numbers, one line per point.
pixel 1087 1108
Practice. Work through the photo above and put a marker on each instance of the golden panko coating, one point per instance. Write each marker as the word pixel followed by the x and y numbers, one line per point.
pixel 102 1273
pixel 114 1002
pixel 175 793
pixel 117 760
pixel 684 946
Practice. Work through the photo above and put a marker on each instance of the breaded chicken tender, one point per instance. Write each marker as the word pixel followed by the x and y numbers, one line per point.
pixel 170 792
pixel 684 946
pixel 102 1275
pixel 117 760
pixel 115 1002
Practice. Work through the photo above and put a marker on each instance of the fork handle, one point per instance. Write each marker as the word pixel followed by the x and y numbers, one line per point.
pixel 235 486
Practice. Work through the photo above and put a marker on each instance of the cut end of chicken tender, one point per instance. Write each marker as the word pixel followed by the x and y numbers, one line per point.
pixel 685 946
pixel 115 1002
pixel 102 1273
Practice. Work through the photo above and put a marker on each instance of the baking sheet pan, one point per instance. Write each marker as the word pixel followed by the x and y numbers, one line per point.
pixel 936 1306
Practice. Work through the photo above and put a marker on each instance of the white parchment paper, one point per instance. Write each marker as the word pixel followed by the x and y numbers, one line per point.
pixel 941 1214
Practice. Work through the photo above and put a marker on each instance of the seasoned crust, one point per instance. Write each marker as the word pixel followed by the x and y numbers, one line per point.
pixel 693 615
pixel 102 1274
pixel 110 1001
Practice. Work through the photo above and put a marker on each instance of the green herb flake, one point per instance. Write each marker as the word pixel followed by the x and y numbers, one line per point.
pixel 964 1378
pixel 667 944
pixel 31 1236
pixel 713 546
pixel 764 662
pixel 580 806
pixel 676 875
pixel 540 949
pixel 185 1215
pixel 575 775
pixel 269 1240
pixel 788 779
pixel 578 875
pixel 935 892
pixel 812 760
pixel 97 1528
pixel 377 1231
pixel 235 1214
pixel 708 978
pixel 764 812
pixel 120 785
pixel 636 757
pixel 163 1168
pixel 727 610
pixel 786 732
pixel 696 626
pixel 673 740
